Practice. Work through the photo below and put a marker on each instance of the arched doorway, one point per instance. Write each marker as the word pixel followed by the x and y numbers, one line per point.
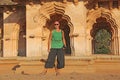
pixel 104 18
pixel 64 26
pixel 48 13
pixel 66 29
pixel 102 33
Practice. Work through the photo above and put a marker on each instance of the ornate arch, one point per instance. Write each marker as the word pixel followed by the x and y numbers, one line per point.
pixel 44 14
pixel 51 8
pixel 93 15
pixel 91 20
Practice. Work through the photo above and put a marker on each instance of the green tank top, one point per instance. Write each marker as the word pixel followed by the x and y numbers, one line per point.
pixel 56 39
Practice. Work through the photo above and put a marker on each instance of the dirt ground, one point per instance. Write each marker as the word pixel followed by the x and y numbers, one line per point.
pixel 63 76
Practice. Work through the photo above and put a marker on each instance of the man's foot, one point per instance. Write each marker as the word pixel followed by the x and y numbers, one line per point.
pixel 57 73
pixel 43 73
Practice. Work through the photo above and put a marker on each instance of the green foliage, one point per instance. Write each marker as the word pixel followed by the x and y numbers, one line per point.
pixel 102 42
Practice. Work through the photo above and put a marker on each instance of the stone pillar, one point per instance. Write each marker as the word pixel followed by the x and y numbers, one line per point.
pixel 72 45
pixel 33 45
pixel 119 40
pixel 112 45
pixel 33 31
pixel 79 24
pixel 80 46
pixel 116 45
pixel 110 4
pixel 13 19
pixel 119 4
pixel 89 45
pixel 10 41
pixel 11 33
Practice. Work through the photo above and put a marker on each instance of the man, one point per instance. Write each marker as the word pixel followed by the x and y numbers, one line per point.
pixel 56 43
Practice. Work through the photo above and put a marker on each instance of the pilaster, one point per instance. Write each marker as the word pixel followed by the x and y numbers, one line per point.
pixel 10 31
pixel 89 45
pixel 119 4
pixel 110 4
pixel 33 31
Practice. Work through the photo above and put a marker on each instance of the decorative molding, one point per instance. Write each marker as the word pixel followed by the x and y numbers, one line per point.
pixel 52 8
pixel 92 16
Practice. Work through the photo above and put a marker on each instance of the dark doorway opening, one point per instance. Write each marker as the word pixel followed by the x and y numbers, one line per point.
pixel 102 37
pixel 1 31
pixel 66 30
pixel 22 41
pixel 22 33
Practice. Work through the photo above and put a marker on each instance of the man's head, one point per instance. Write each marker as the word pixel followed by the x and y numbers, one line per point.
pixel 57 24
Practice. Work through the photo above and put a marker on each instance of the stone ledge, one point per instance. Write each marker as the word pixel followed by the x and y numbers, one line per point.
pixel 84 58
pixel 77 64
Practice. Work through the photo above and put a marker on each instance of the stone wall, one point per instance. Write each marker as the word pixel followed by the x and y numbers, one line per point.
pixel 80 19
pixel 37 17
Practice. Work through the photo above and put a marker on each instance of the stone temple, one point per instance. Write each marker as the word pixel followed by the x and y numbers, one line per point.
pixel 25 27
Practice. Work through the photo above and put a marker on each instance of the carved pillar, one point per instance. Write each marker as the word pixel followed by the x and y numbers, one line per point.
pixel 10 44
pixel 119 4
pixel 10 31
pixel 110 4
pixel 33 34
pixel 115 44
pixel 112 45
pixel 72 45
pixel 89 45
pixel 119 41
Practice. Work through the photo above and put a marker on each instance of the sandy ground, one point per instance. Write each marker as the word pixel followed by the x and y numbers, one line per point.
pixel 64 76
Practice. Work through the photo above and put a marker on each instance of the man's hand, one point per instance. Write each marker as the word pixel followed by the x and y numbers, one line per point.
pixel 48 50
pixel 64 46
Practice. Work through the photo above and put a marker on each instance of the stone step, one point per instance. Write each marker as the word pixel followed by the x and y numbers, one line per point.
pixel 80 65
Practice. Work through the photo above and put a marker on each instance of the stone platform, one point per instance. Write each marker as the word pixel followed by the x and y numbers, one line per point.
pixel 83 64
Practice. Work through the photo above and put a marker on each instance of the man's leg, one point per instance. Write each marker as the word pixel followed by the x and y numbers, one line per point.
pixel 51 59
pixel 60 60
